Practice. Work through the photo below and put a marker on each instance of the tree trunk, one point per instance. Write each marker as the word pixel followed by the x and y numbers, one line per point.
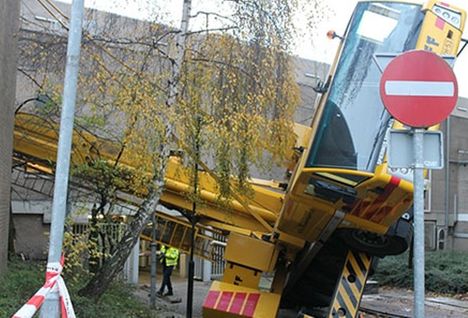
pixel 113 265
pixel 93 237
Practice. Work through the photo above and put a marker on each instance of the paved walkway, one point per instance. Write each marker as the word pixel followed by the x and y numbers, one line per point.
pixel 399 301
pixel 179 285
pixel 396 301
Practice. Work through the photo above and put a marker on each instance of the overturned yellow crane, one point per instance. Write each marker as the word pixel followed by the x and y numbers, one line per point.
pixel 341 207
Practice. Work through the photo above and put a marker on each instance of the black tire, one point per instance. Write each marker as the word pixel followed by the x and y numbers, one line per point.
pixel 396 241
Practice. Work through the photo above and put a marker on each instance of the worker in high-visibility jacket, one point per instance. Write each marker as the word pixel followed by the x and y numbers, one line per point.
pixel 169 257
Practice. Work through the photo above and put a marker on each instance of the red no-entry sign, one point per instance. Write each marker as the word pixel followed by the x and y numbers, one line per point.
pixel 419 89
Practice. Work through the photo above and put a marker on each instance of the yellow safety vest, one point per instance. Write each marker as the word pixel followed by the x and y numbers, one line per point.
pixel 171 255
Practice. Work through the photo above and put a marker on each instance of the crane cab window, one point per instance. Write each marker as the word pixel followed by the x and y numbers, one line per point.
pixel 379 15
pixel 354 120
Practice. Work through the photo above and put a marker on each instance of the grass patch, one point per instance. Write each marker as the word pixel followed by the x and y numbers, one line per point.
pixel 23 279
pixel 445 272
pixel 16 287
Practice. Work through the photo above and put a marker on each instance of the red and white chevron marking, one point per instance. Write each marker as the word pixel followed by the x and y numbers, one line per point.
pixel 54 281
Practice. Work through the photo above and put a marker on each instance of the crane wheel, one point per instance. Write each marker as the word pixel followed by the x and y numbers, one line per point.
pixel 396 241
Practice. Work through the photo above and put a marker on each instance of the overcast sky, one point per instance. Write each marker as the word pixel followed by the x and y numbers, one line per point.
pixel 321 50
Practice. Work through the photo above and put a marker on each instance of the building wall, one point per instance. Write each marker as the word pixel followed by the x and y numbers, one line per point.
pixel 451 203
pixel 34 238
pixel 9 19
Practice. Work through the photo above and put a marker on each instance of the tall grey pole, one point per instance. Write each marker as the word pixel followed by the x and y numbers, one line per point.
pixel 51 306
pixel 447 180
pixel 418 258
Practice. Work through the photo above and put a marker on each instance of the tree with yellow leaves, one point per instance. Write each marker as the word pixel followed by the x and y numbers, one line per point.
pixel 225 94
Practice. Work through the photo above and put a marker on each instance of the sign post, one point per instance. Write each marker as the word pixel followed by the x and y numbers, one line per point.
pixel 418 208
pixel 420 90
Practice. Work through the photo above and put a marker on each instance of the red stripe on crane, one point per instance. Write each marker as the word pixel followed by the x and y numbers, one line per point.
pixel 237 303
pixel 440 23
pixel 211 299
pixel 224 301
pixel 250 305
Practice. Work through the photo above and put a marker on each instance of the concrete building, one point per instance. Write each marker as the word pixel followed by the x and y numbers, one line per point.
pixel 446 200
pixel 9 13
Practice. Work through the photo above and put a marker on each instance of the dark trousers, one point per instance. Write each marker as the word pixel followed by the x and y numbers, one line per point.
pixel 167 272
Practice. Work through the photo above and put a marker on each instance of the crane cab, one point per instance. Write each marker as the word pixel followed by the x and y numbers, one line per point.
pixel 344 166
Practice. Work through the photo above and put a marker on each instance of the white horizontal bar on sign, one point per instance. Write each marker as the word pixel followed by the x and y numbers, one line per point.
pixel 419 88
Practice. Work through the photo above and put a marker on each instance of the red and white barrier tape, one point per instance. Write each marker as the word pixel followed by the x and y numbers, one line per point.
pixel 54 281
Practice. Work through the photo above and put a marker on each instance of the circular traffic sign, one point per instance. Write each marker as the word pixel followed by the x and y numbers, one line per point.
pixel 419 88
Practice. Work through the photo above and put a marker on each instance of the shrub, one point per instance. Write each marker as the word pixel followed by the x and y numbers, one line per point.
pixel 445 272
